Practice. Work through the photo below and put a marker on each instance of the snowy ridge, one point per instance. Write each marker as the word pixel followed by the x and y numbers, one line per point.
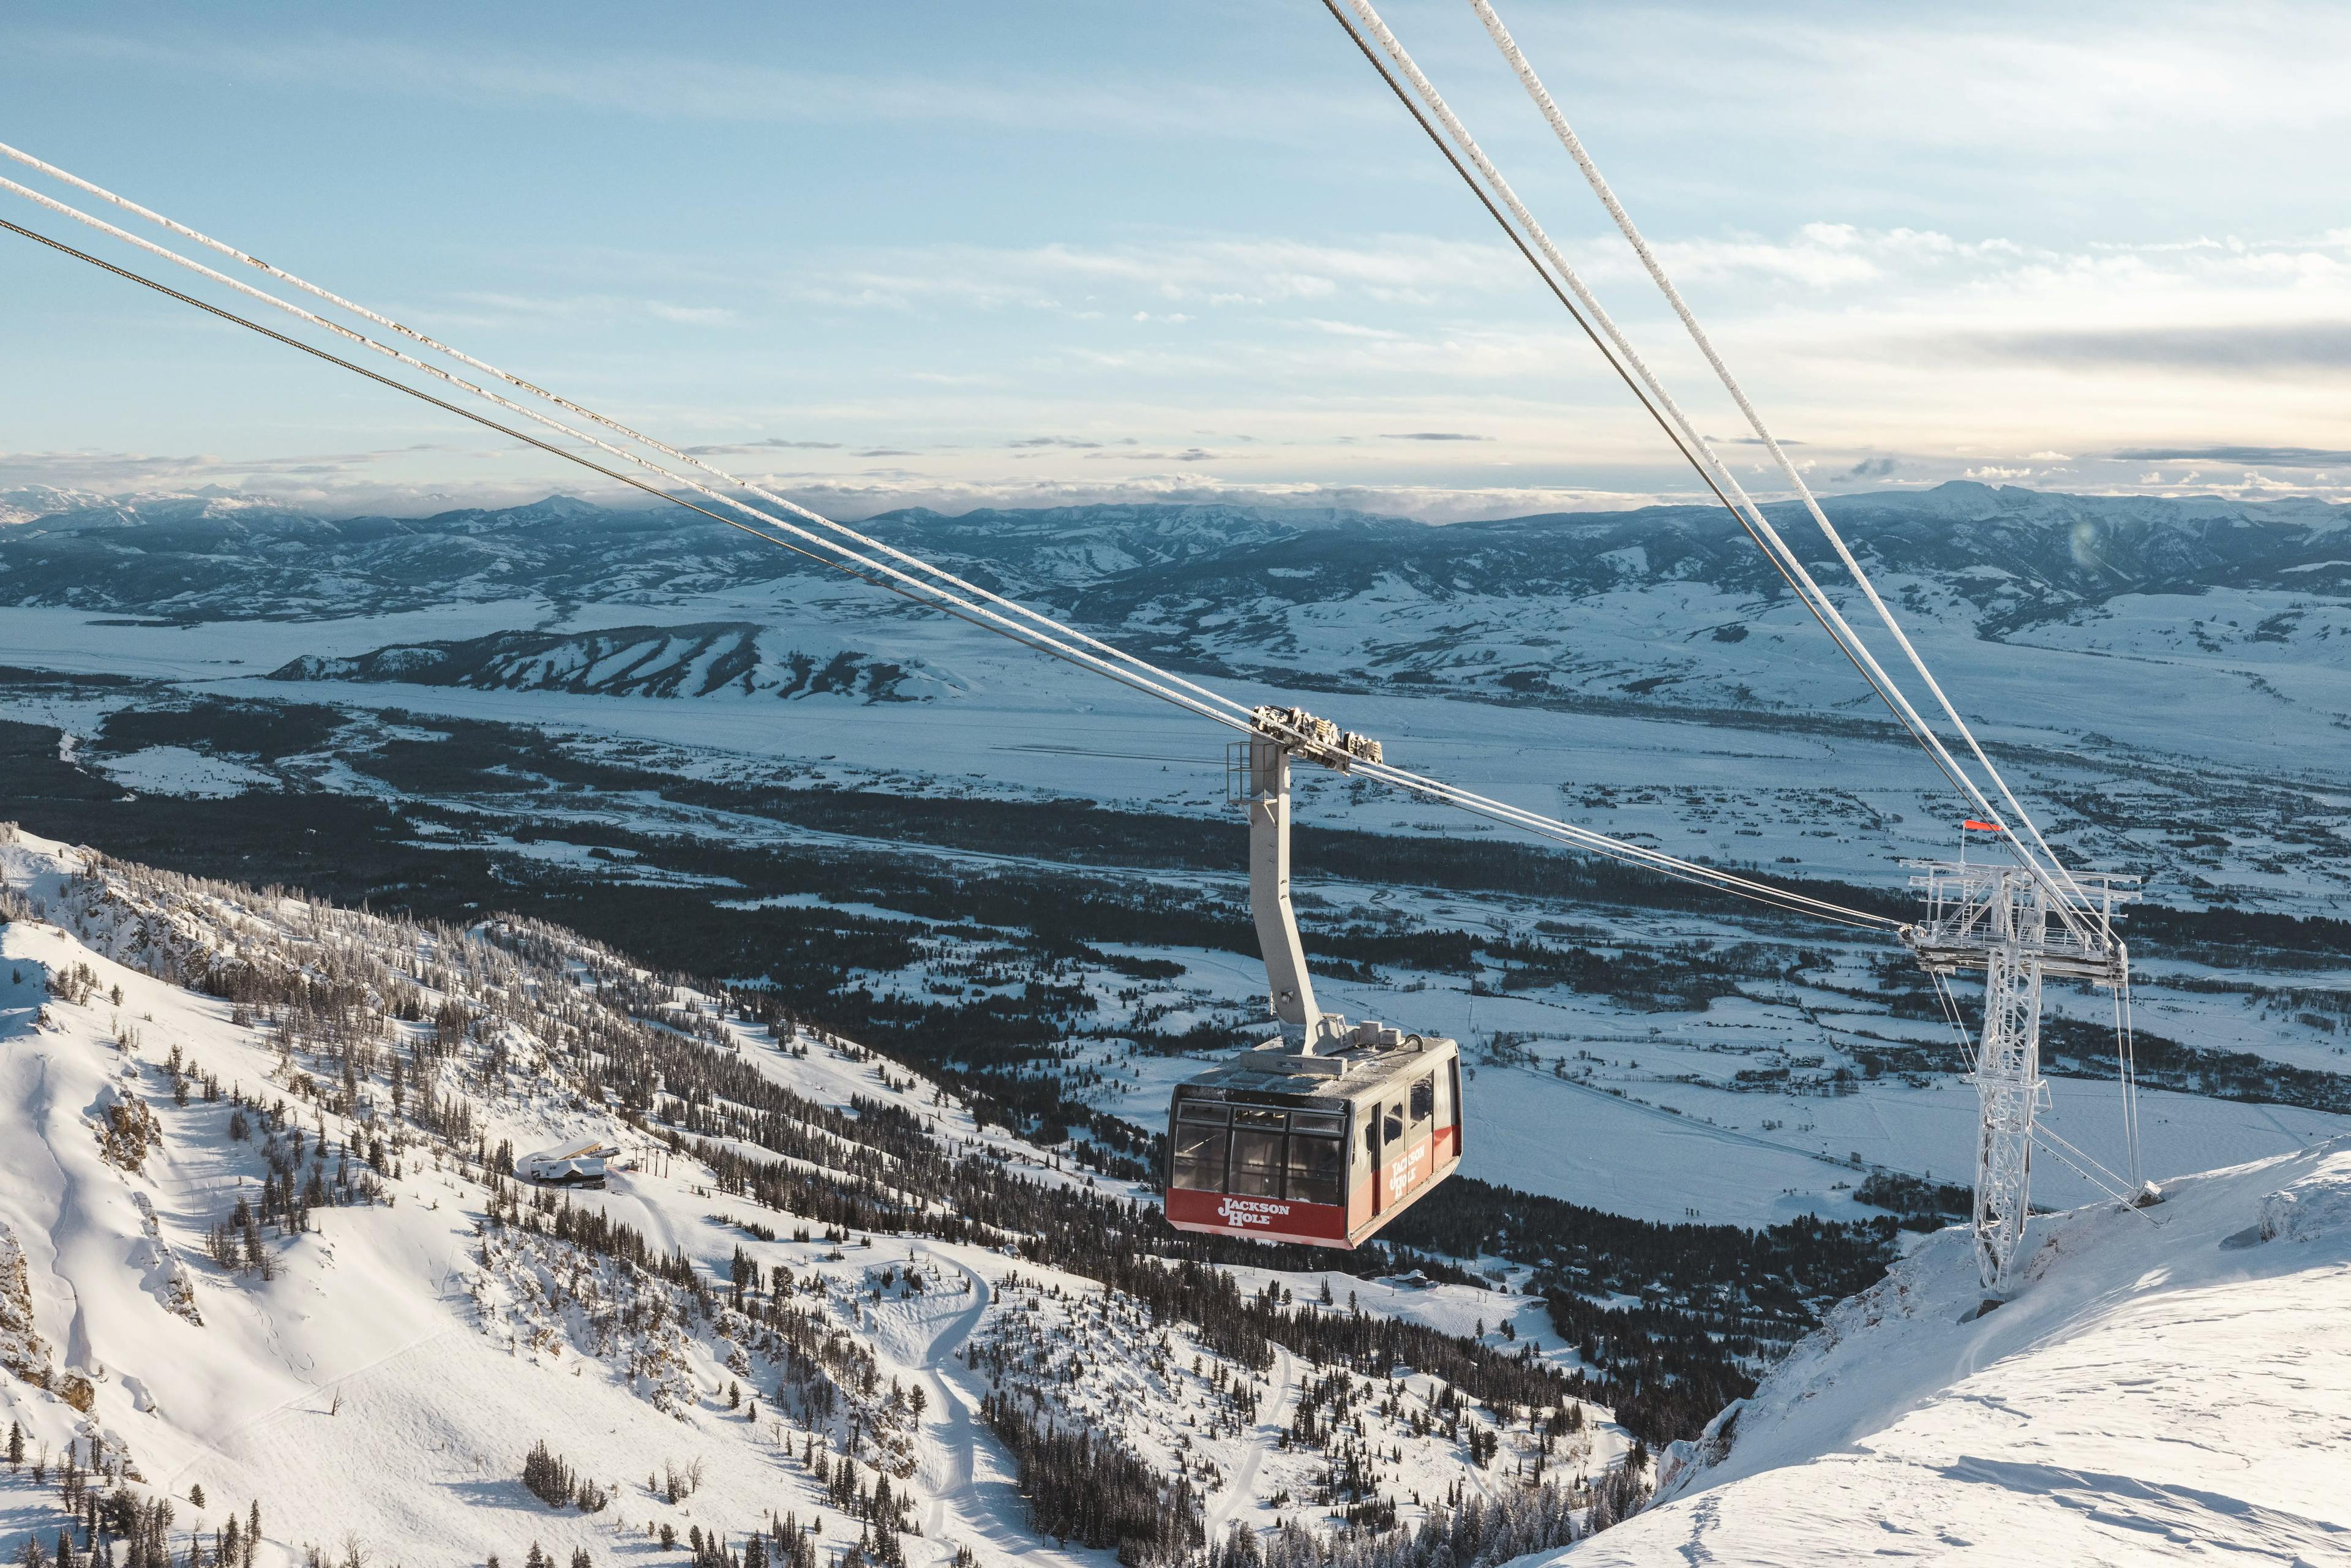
pixel 2178 1390
pixel 257 1252
pixel 723 658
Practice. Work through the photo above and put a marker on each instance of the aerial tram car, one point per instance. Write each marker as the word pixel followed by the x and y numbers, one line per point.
pixel 1327 1131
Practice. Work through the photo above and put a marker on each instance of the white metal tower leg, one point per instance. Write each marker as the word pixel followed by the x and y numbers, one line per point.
pixel 2008 1085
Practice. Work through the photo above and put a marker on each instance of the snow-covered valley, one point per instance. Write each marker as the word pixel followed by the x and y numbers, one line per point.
pixel 594 706
pixel 652 825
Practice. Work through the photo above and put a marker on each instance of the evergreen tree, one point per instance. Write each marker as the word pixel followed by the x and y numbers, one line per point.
pixel 16 1445
pixel 550 1478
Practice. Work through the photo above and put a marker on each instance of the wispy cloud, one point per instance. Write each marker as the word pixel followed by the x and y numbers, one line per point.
pixel 2260 456
pixel 479 308
pixel 2260 348
pixel 772 443
pixel 1189 455
pixel 1432 436
pixel 423 476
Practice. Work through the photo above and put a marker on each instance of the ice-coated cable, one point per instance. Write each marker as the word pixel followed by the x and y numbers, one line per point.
pixel 930 600
pixel 2063 883
pixel 929 594
pixel 1952 1016
pixel 2126 1062
pixel 1695 446
pixel 1700 463
pixel 1035 636
pixel 2111 1185
pixel 1824 609
pixel 861 541
pixel 1655 859
pixel 1549 826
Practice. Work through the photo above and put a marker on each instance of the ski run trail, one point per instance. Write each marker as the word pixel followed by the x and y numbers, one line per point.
pixel 2167 1384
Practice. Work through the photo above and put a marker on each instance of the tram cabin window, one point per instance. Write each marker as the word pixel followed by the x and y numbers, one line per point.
pixel 1314 1166
pixel 1200 1140
pixel 1392 1124
pixel 1257 1151
pixel 1424 1104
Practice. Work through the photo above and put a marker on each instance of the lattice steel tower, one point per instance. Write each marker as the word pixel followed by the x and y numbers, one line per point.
pixel 2008 922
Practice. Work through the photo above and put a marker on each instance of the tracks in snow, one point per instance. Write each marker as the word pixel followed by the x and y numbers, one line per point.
pixel 1240 1487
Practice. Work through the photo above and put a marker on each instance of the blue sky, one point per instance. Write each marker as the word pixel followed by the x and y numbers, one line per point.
pixel 1024 253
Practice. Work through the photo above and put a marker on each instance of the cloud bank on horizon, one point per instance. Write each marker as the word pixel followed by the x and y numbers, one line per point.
pixel 1057 254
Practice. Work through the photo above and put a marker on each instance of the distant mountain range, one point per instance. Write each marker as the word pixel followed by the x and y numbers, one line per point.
pixel 2011 552
pixel 1647 605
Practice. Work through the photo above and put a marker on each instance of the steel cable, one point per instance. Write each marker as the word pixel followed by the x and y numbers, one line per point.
pixel 1694 448
pixel 2071 892
pixel 937 597
pixel 842 529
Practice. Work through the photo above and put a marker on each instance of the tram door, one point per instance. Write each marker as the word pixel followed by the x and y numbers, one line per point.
pixel 1400 1137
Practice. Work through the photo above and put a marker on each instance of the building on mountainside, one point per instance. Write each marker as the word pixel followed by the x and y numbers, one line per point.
pixel 578 1164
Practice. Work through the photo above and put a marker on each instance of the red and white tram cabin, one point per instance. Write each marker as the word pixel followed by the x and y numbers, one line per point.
pixel 1323 1149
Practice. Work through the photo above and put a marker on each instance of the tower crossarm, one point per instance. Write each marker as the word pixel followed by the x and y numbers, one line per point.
pixel 1313 740
pixel 1964 923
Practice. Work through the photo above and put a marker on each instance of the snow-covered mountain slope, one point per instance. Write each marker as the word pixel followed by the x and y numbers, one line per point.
pixel 258 1251
pixel 732 658
pixel 2166 1386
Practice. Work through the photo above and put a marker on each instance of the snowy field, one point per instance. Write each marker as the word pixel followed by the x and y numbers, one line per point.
pixel 1620 1110
pixel 1849 800
pixel 2190 737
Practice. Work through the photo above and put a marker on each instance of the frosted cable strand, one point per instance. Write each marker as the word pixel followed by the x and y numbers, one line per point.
pixel 2070 891
pixel 1031 635
pixel 2127 1055
pixel 434 344
pixel 1752 516
pixel 1562 832
pixel 1550 827
pixel 1655 859
pixel 930 594
pixel 1559 291
pixel 2069 1153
